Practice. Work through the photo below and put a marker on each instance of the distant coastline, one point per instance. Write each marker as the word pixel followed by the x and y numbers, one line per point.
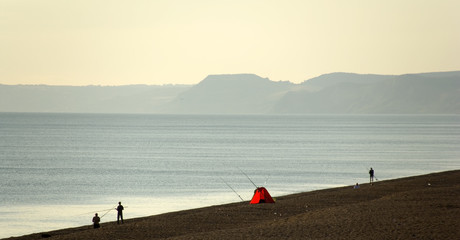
pixel 335 93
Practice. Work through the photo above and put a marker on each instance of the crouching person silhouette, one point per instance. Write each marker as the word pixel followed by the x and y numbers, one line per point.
pixel 96 221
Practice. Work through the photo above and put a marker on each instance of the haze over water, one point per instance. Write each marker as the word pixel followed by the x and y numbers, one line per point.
pixel 57 170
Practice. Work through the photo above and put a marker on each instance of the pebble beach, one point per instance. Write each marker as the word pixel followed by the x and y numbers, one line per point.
pixel 420 207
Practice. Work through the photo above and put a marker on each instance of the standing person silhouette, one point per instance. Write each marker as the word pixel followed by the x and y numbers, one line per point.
pixel 120 213
pixel 371 176
pixel 96 220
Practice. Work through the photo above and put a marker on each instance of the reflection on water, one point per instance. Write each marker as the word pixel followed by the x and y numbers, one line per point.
pixel 57 170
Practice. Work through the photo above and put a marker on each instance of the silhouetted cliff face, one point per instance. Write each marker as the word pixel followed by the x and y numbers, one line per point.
pixel 335 93
pixel 231 94
pixel 431 93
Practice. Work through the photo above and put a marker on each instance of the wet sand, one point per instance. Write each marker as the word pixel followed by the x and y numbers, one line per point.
pixel 421 207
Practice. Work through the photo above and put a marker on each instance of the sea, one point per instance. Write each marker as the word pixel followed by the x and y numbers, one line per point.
pixel 57 170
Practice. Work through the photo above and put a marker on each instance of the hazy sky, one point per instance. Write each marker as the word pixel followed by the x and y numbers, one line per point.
pixel 118 42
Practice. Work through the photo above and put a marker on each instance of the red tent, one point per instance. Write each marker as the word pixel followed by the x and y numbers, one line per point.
pixel 261 195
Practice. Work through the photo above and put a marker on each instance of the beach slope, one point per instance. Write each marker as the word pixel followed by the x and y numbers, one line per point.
pixel 421 207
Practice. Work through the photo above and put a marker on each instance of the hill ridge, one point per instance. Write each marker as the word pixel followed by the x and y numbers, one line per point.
pixel 333 93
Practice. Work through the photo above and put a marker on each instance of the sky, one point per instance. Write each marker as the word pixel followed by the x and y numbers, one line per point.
pixel 155 42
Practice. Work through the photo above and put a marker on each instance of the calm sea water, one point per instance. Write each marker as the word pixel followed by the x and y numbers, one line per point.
pixel 57 170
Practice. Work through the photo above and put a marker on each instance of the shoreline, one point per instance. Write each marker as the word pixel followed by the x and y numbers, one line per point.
pixel 416 207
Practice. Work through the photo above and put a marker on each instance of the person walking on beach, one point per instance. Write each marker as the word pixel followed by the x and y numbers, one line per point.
pixel 371 176
pixel 96 220
pixel 120 213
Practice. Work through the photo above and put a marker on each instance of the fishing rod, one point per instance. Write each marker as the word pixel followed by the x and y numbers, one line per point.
pixel 248 178
pixel 232 189
pixel 368 169
pixel 266 179
pixel 93 212
pixel 109 211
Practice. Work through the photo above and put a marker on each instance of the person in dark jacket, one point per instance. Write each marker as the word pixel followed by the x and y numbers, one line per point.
pixel 96 221
pixel 120 213
pixel 371 176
